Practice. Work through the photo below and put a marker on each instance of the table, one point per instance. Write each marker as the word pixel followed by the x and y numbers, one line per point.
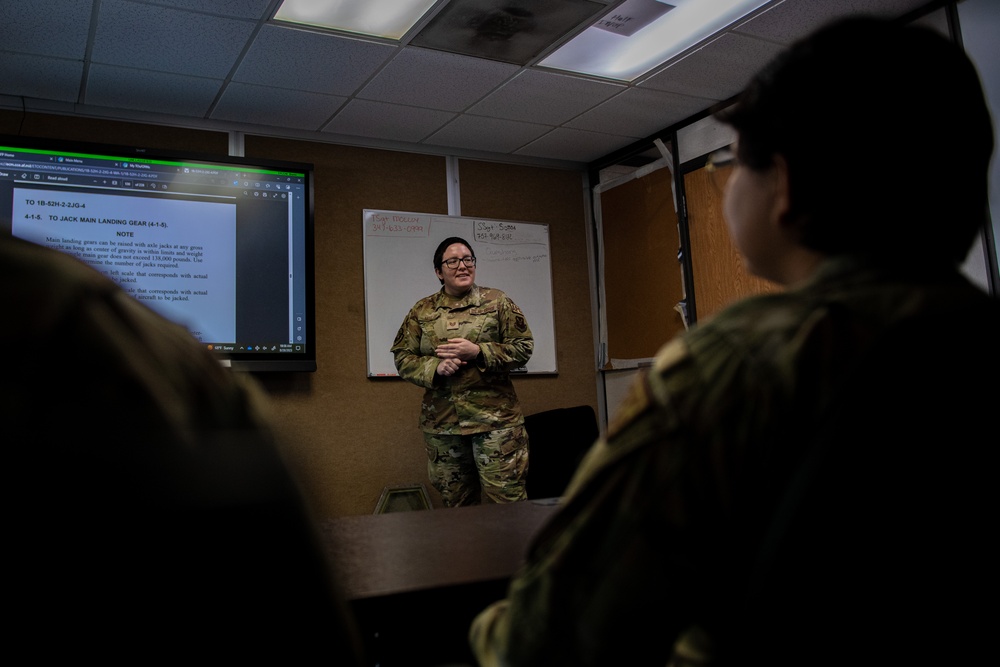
pixel 415 579
pixel 383 554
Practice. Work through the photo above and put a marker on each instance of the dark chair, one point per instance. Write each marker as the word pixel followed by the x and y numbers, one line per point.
pixel 557 440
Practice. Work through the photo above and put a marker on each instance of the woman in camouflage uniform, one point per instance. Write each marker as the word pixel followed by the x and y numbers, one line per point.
pixel 460 344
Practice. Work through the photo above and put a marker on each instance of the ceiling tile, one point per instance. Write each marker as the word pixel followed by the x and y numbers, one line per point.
pixel 487 134
pixel 786 21
pixel 45 78
pixel 244 9
pixel 155 92
pixel 544 97
pixel 285 57
pixel 277 107
pixel 639 112
pixel 574 145
pixel 45 27
pixel 716 71
pixel 393 122
pixel 437 80
pixel 131 34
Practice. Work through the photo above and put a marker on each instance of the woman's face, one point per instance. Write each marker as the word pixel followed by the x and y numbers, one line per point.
pixel 459 280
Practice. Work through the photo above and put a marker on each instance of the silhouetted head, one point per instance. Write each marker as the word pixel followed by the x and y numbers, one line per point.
pixel 887 138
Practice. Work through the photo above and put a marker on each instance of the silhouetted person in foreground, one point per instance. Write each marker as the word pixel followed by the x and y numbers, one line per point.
pixel 807 478
pixel 151 518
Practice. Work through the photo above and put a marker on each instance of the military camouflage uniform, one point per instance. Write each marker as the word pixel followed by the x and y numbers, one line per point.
pixel 472 421
pixel 634 555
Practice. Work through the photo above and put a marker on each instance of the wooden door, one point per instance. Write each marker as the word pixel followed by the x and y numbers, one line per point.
pixel 719 275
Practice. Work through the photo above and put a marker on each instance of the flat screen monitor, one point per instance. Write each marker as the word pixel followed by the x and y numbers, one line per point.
pixel 222 245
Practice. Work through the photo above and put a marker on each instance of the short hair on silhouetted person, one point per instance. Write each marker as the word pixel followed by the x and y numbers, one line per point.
pixel 887 135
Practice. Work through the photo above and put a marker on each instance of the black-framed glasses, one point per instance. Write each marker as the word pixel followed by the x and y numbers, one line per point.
pixel 452 263
pixel 724 157
pixel 720 158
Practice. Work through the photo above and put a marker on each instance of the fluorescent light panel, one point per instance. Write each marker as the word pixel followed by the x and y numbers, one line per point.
pixel 380 18
pixel 614 48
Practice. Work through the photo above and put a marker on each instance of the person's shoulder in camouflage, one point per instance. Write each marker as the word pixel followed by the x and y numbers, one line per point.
pixel 665 523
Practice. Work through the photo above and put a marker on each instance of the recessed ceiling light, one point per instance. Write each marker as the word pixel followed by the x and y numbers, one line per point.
pixel 638 35
pixel 379 18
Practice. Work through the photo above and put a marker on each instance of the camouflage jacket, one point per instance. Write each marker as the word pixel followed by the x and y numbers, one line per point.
pixel 480 397
pixel 649 535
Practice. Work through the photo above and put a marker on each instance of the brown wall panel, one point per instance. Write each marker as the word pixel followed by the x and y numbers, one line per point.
pixel 113 132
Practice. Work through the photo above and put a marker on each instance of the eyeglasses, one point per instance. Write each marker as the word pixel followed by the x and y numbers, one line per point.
pixel 720 158
pixel 453 262
pixel 724 157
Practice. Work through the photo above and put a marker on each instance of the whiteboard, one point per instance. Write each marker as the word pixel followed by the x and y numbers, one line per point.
pixel 399 271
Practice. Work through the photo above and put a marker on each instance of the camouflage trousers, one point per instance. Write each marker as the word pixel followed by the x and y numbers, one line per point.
pixel 488 467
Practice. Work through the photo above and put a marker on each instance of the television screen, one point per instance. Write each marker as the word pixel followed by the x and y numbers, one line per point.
pixel 221 245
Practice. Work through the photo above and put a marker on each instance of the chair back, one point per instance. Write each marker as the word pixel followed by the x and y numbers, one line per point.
pixel 557 442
